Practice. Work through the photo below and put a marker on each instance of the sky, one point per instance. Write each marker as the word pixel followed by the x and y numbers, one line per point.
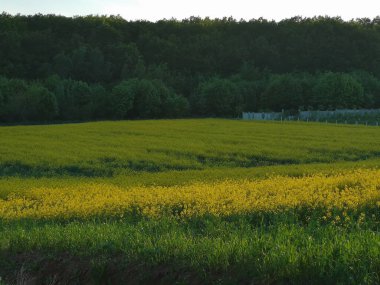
pixel 154 10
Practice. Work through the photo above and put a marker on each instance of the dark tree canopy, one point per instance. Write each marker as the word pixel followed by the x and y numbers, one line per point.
pixel 97 67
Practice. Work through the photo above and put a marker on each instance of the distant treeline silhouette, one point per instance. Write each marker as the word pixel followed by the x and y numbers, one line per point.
pixel 97 67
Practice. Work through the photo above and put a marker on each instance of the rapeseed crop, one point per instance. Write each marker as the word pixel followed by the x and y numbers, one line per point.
pixel 209 200
pixel 327 195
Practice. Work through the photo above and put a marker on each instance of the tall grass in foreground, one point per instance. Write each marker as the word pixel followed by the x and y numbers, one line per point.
pixel 213 248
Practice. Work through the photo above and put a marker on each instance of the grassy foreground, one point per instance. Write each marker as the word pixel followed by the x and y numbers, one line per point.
pixel 189 202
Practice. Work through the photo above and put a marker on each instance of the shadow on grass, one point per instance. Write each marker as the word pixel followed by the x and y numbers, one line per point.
pixel 17 168
pixel 111 166
pixel 104 167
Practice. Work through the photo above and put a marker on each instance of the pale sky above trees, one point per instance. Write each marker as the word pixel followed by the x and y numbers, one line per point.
pixel 158 9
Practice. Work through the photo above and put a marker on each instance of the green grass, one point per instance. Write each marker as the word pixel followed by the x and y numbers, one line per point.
pixel 213 249
pixel 110 148
pixel 172 152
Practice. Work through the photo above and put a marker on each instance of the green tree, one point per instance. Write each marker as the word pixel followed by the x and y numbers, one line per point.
pixel 62 65
pixel 78 100
pixel 123 95
pixel 20 101
pixel 251 90
pixel 175 106
pixel 133 63
pixel 100 103
pixel 2 106
pixel 144 98
pixel 148 98
pixel 15 103
pixel 89 65
pixel 42 104
pixel 371 88
pixel 283 92
pixel 218 97
pixel 337 90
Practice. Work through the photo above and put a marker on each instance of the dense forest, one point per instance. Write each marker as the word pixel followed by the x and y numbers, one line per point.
pixel 98 67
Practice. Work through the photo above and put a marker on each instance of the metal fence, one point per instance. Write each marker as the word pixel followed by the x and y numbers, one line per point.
pixel 342 116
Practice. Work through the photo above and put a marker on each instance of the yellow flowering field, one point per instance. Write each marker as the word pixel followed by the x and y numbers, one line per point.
pixel 345 191
pixel 193 200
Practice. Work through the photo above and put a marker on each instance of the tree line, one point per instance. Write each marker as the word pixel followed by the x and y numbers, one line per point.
pixel 96 67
